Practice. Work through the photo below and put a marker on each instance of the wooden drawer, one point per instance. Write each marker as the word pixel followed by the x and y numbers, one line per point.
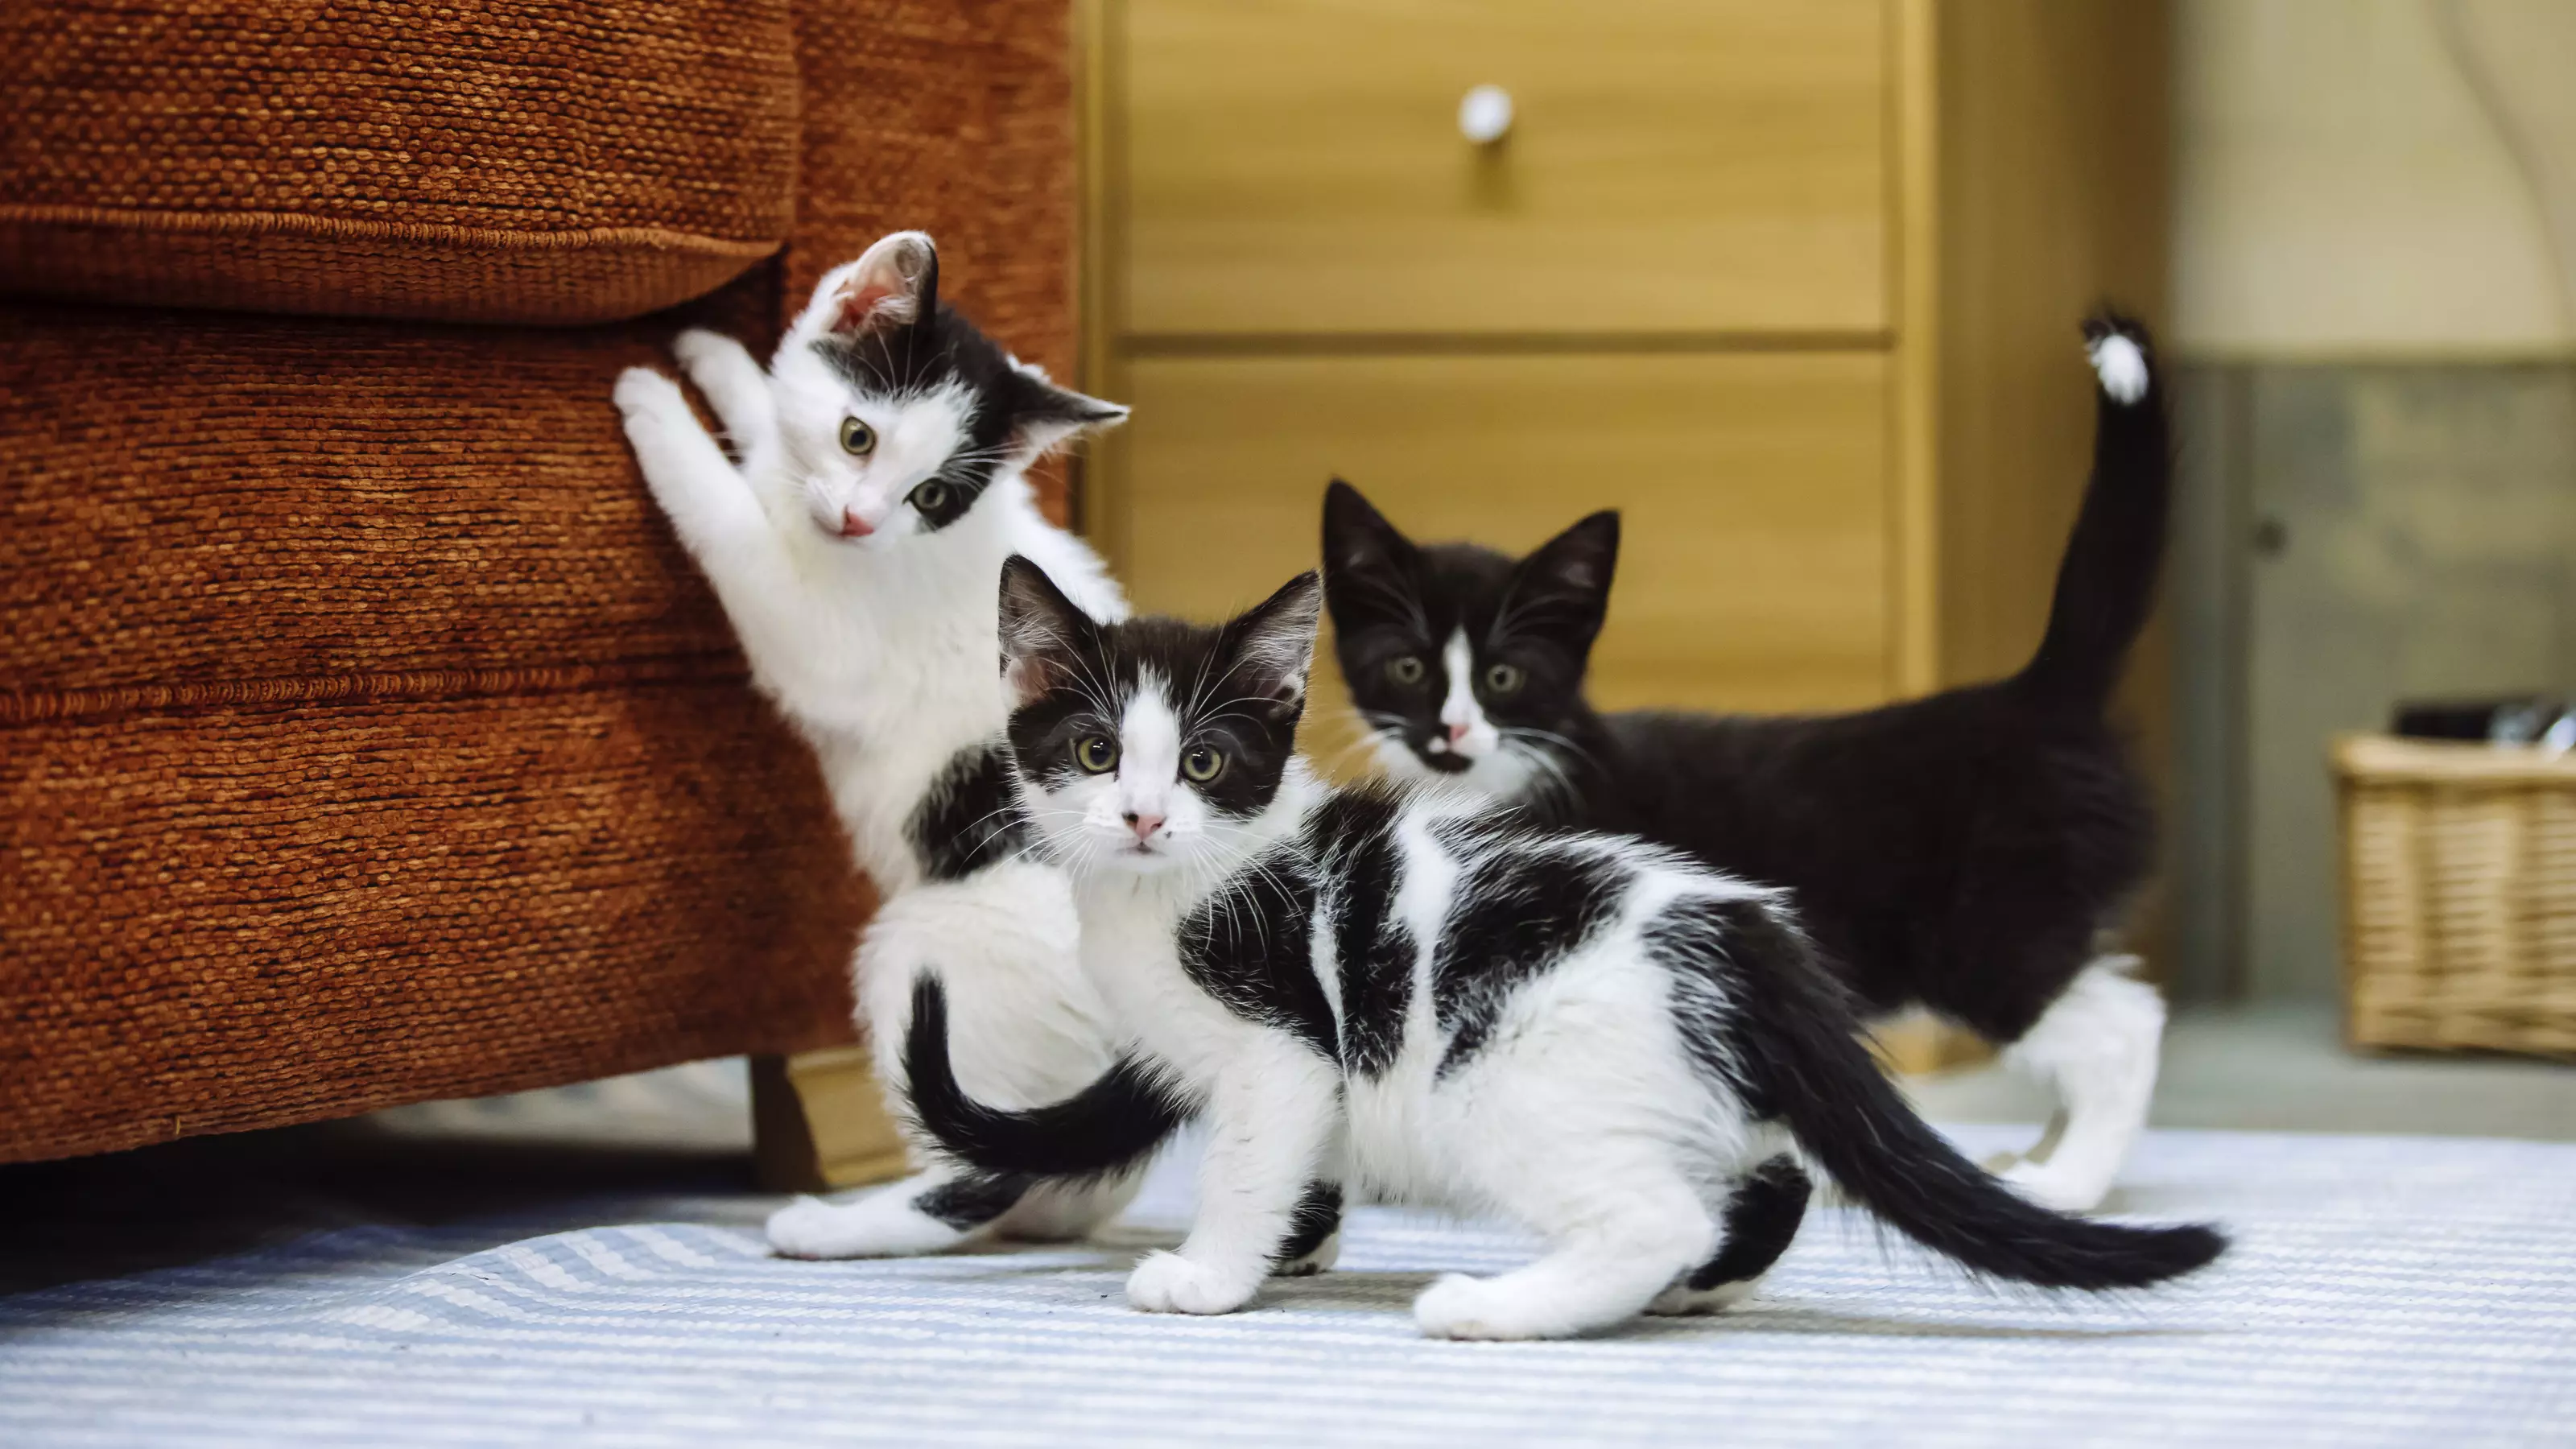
pixel 1754 565
pixel 1676 166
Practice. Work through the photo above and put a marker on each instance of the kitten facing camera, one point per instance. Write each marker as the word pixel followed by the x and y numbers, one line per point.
pixel 1467 664
pixel 1962 852
pixel 1427 999
pixel 876 486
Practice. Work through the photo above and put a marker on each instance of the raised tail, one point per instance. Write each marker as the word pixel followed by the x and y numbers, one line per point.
pixel 1792 1048
pixel 1109 1126
pixel 2106 582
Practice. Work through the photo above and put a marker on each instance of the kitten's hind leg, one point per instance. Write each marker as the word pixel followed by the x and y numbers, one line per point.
pixel 926 1213
pixel 1314 1234
pixel 1057 1211
pixel 2096 1048
pixel 1761 1221
pixel 1616 1241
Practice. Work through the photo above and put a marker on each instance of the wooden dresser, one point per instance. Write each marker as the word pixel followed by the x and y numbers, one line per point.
pixel 1792 283
pixel 1795 286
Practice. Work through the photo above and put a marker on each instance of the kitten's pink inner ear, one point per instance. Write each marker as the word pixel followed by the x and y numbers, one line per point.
pixel 1028 678
pixel 858 303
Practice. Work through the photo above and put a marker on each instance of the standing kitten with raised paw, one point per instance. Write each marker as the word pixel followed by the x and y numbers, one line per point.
pixel 876 484
pixel 1436 1001
pixel 1963 852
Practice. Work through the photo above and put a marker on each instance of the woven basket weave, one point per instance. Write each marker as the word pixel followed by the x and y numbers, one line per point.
pixel 2459 872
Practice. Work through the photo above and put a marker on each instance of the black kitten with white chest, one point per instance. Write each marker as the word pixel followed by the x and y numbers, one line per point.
pixel 1962 852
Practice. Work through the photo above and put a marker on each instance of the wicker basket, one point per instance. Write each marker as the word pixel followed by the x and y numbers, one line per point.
pixel 2459 873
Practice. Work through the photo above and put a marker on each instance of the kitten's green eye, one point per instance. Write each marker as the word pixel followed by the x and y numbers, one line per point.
pixel 1503 678
pixel 857 438
pixel 1203 764
pixel 1407 670
pixel 1096 753
pixel 930 497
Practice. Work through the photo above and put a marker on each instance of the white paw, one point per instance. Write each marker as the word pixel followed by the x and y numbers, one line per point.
pixel 1170 1283
pixel 699 348
pixel 1457 1306
pixel 725 373
pixel 2050 1187
pixel 1682 1300
pixel 1326 1254
pixel 642 392
pixel 881 1225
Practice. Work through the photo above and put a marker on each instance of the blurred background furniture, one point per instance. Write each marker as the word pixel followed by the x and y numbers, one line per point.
pixel 2459 890
pixel 364 736
pixel 1794 286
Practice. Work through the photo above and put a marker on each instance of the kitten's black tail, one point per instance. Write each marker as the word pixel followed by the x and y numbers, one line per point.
pixel 1113 1124
pixel 1792 1047
pixel 2106 583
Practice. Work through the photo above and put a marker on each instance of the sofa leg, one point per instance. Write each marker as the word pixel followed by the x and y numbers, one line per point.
pixel 819 1121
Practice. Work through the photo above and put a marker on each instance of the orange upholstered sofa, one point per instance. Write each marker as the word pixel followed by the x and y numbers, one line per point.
pixel 364 736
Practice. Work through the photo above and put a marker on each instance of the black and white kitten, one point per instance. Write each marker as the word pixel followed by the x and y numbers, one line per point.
pixel 1962 852
pixel 877 485
pixel 1429 999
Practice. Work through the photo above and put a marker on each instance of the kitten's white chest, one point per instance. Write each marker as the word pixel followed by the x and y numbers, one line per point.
pixel 889 665
pixel 884 730
pixel 1129 951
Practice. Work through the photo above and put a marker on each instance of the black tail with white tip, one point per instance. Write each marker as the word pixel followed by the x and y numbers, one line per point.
pixel 1113 1124
pixel 2106 582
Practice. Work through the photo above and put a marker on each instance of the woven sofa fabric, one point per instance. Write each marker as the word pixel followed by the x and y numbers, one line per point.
pixel 365 737
pixel 198 499
pixel 984 151
pixel 228 917
pixel 970 103
pixel 532 161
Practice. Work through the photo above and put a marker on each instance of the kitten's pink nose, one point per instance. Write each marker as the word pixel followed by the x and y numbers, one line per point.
pixel 1144 826
pixel 855 524
pixel 1457 732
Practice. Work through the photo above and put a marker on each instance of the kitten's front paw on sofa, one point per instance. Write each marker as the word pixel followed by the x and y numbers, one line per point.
pixel 1170 1283
pixel 641 390
pixel 717 363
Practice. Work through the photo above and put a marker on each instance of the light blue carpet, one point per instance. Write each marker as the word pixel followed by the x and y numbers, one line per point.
pixel 2384 1291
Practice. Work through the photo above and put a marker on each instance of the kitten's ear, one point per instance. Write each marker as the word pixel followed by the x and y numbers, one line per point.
pixel 1357 538
pixel 1045 416
pixel 1042 631
pixel 1271 645
pixel 893 285
pixel 1564 587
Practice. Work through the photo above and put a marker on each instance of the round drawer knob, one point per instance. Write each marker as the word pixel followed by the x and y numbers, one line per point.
pixel 1485 115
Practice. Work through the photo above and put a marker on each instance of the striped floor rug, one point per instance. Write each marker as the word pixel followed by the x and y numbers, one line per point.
pixel 2384 1291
